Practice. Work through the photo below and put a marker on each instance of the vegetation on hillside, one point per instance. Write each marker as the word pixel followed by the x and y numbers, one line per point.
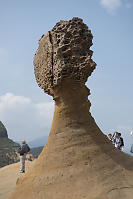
pixel 36 151
pixel 8 148
pixel 3 131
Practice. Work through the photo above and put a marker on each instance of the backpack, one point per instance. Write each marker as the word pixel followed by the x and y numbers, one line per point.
pixel 20 151
pixel 26 148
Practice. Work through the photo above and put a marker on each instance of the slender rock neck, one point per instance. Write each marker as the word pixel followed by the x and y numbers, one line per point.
pixel 71 105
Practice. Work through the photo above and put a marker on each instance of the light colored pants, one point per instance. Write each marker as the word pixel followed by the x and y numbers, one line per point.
pixel 22 162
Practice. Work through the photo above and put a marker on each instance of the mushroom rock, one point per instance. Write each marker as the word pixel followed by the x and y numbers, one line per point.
pixel 78 161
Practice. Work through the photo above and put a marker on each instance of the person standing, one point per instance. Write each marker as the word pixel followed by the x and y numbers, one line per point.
pixel 131 150
pixel 23 150
pixel 121 145
pixel 110 137
pixel 116 140
pixel 114 137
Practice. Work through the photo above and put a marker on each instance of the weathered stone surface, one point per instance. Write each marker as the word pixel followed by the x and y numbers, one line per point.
pixel 78 160
pixel 64 52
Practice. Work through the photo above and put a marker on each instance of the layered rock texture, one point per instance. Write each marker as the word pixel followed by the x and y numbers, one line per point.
pixel 8 148
pixel 78 161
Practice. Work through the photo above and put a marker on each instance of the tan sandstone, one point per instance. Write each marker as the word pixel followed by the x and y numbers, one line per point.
pixel 78 162
pixel 8 177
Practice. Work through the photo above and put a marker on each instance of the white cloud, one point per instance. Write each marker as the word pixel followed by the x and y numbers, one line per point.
pixel 23 118
pixel 10 101
pixel 111 5
pixel 124 128
pixel 44 113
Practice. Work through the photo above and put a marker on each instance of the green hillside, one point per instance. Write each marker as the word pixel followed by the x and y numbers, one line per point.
pixel 3 131
pixel 36 151
pixel 8 148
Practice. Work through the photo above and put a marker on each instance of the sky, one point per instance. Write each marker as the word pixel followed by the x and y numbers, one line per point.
pixel 25 109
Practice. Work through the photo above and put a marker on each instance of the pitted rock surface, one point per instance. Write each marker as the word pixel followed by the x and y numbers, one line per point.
pixel 64 52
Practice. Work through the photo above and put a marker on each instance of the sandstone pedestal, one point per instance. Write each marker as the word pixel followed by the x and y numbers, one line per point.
pixel 78 162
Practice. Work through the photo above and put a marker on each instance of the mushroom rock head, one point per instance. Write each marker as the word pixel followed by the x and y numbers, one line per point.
pixel 64 53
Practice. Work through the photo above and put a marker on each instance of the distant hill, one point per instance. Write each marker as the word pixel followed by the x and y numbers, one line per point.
pixel 37 145
pixel 36 151
pixel 38 142
pixel 8 148
pixel 3 131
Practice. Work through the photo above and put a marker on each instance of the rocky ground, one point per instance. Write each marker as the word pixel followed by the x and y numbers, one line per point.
pixel 8 177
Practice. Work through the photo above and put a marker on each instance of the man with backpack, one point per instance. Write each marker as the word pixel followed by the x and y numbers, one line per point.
pixel 23 151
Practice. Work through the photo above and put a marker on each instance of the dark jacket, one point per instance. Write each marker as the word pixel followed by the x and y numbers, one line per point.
pixel 24 149
pixel 121 142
